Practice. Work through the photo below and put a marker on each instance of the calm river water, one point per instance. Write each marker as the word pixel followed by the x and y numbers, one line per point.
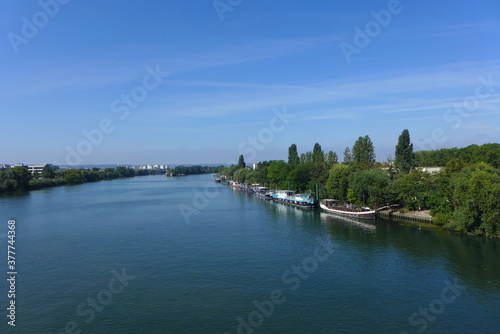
pixel 185 255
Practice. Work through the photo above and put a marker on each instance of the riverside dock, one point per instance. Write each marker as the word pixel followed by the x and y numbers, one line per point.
pixel 420 216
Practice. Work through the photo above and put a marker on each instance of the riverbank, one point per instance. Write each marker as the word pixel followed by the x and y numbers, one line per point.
pixel 422 216
pixel 19 179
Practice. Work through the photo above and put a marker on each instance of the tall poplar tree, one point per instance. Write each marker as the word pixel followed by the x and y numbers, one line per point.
pixel 241 162
pixel 293 156
pixel 347 155
pixel 332 159
pixel 318 155
pixel 363 151
pixel 405 158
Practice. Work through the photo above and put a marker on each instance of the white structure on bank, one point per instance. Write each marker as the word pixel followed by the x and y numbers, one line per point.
pixel 37 169
pixel 430 170
pixel 153 167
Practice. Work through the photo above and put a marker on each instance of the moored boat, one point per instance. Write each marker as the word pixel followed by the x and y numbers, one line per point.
pixel 290 197
pixel 332 206
pixel 264 193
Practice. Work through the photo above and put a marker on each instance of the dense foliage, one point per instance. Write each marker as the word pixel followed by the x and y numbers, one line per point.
pixel 489 153
pixel 20 179
pixel 192 170
pixel 463 196
pixel 405 158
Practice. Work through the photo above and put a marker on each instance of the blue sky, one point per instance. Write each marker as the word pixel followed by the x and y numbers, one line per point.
pixel 427 66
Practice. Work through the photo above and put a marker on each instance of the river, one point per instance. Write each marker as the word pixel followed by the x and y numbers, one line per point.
pixel 185 255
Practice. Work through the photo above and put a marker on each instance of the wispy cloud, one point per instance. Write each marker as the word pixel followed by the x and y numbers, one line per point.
pixel 459 29
pixel 409 91
pixel 76 73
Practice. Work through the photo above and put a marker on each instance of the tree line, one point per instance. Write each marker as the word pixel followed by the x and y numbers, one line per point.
pixel 20 179
pixel 489 153
pixel 463 196
pixel 192 170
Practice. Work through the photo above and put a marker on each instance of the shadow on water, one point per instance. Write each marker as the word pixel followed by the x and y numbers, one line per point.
pixel 474 260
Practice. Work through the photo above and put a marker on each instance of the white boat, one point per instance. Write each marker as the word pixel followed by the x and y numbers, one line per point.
pixel 292 198
pixel 332 206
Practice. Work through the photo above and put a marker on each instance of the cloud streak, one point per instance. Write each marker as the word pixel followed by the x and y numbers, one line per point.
pixel 426 90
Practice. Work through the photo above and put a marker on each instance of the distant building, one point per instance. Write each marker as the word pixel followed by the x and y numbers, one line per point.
pixel 156 167
pixel 255 165
pixel 37 169
pixel 430 170
pixel 4 166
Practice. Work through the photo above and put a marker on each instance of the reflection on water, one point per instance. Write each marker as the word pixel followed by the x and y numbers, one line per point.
pixel 348 221
pixel 199 278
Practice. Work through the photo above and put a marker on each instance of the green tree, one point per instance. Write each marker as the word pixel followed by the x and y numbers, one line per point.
pixel 277 172
pixel 351 196
pixel 369 187
pixel 293 156
pixel 47 172
pixel 251 176
pixel 475 196
pixel 261 172
pixel 306 157
pixel 230 171
pixel 338 182
pixel 318 156
pixel 241 162
pixel 347 155
pixel 123 171
pixel 241 175
pixel 300 177
pixel 363 152
pixel 412 189
pixel 20 176
pixel 454 166
pixel 319 175
pixel 73 176
pixel 489 153
pixel 91 176
pixel 405 158
pixel 332 159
